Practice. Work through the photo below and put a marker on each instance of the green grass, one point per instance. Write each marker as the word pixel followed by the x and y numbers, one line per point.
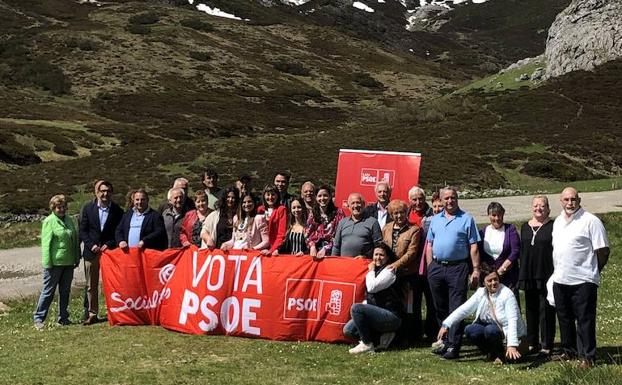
pixel 152 355
pixel 65 125
pixel 519 181
pixel 20 235
pixel 532 148
pixel 504 81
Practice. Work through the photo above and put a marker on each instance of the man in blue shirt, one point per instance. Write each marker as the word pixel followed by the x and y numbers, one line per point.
pixel 451 253
pixel 141 226
pixel 98 222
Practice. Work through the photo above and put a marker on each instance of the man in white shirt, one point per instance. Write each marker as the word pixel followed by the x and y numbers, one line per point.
pixel 378 209
pixel 580 251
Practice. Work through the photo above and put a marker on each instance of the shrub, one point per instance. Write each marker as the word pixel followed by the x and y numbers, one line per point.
pixel 15 153
pixel 139 29
pixel 197 24
pixel 561 169
pixel 82 44
pixel 200 55
pixel 291 68
pixel 365 80
pixel 12 48
pixel 144 18
pixel 48 76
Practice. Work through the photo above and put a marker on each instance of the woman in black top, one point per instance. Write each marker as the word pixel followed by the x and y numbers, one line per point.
pixel 297 230
pixel 228 207
pixel 536 266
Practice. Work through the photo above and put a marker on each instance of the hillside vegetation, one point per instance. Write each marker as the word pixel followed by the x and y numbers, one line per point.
pixel 141 92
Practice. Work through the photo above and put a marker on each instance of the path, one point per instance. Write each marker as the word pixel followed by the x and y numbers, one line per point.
pixel 20 269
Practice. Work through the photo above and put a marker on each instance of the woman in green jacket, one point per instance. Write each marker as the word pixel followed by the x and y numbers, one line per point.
pixel 60 255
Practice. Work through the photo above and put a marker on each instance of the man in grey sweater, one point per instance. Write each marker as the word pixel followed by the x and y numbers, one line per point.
pixel 356 236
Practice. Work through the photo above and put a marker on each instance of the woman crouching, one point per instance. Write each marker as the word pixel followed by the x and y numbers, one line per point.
pixel 374 323
pixel 498 324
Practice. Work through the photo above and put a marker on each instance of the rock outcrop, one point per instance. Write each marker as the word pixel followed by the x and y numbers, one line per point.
pixel 586 34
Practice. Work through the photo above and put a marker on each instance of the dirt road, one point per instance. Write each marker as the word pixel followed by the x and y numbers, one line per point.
pixel 20 269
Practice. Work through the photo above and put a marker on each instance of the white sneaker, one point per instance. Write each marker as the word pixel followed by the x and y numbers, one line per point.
pixel 362 348
pixel 438 344
pixel 39 325
pixel 385 340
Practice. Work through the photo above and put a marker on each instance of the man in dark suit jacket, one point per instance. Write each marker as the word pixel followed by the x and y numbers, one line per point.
pixel 141 226
pixel 98 222
pixel 281 181
pixel 378 209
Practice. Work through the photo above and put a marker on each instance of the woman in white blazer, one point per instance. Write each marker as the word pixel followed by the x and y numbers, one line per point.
pixel 498 324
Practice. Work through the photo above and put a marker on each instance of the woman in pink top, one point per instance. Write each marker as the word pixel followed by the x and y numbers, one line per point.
pixel 250 230
pixel 323 223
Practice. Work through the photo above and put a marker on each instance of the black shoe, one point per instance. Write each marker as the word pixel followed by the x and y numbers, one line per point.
pixel 564 357
pixel 92 320
pixel 440 350
pixel 451 354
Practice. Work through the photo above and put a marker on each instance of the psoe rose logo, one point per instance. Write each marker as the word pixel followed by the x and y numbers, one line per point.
pixel 334 304
pixel 166 272
pixel 371 176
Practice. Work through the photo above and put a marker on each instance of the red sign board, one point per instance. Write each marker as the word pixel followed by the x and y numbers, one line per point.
pixel 360 171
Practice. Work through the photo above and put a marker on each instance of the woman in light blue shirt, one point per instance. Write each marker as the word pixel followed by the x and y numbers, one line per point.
pixel 498 324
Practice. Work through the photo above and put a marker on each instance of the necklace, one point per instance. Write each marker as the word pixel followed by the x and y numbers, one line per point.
pixel 534 231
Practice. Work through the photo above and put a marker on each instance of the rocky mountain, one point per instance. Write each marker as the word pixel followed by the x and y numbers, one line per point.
pixel 143 91
pixel 586 34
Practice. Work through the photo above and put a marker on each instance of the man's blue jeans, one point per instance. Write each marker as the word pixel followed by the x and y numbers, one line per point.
pixel 368 320
pixel 60 276
pixel 487 337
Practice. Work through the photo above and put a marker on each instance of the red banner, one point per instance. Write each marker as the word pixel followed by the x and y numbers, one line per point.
pixel 235 293
pixel 360 170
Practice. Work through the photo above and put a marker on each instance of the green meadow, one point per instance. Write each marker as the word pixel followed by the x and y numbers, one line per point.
pixel 102 354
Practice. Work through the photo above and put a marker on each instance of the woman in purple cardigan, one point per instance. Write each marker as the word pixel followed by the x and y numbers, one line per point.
pixel 500 246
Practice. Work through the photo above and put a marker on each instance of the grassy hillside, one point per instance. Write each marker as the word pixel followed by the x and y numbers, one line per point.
pixel 153 355
pixel 142 92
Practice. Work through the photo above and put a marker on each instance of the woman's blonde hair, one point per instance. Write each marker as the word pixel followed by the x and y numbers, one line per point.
pixel 58 200
pixel 545 199
pixel 397 205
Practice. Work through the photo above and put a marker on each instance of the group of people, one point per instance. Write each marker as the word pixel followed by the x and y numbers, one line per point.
pixel 418 251
pixel 557 263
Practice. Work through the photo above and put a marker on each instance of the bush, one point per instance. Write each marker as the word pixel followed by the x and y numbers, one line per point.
pixel 561 169
pixel 15 153
pixel 48 76
pixel 12 48
pixel 200 55
pixel 365 80
pixel 291 68
pixel 82 44
pixel 139 29
pixel 197 24
pixel 144 18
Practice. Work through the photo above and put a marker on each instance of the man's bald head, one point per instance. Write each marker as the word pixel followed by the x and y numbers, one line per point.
pixel 570 201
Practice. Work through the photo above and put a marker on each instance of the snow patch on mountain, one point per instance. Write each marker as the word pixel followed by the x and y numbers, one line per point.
pixel 361 6
pixel 215 11
pixel 295 2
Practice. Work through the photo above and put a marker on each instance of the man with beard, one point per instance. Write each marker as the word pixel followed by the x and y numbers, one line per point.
pixel 580 252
